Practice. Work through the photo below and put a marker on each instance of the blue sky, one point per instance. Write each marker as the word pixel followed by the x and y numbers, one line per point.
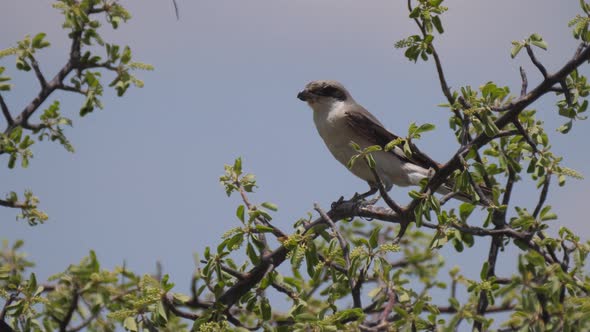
pixel 143 183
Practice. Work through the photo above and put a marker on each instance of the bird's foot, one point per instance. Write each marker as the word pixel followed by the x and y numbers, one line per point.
pixel 338 202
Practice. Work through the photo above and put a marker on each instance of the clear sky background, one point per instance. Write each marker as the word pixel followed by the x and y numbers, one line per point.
pixel 143 183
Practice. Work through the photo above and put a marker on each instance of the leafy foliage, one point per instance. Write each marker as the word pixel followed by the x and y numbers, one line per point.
pixel 82 74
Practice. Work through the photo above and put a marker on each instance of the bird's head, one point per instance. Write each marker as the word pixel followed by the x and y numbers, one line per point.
pixel 324 94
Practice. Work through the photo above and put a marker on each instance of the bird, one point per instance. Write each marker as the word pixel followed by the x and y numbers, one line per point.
pixel 340 120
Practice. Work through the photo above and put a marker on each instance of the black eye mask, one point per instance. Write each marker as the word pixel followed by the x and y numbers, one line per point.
pixel 330 91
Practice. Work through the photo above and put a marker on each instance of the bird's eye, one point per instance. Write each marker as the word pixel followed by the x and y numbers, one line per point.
pixel 330 91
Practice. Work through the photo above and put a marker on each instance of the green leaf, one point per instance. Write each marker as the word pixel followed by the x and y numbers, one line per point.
pixel 484 271
pixel 391 145
pixel 437 24
pixel 270 206
pixel 129 324
pixel 374 238
pixel 373 148
pixel 538 41
pixel 265 309
pixel 425 127
pixel 38 41
pixel 355 146
pixel 240 212
pixel 264 229
pixel 465 210
pixel 126 55
pixel 370 160
pixel 516 47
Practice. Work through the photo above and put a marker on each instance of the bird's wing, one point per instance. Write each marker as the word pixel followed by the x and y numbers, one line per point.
pixel 367 125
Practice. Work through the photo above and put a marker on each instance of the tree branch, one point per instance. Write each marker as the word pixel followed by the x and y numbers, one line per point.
pixel 524 134
pixel 63 323
pixel 543 195
pixel 169 304
pixel 535 61
pixel 6 112
pixel 525 82
pixel 355 291
pixel 38 72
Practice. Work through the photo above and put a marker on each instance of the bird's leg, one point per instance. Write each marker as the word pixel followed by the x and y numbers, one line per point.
pixel 371 191
pixel 359 197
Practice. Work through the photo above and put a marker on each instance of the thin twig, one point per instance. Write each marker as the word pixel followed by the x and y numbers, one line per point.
pixel 388 200
pixel 168 303
pixel 38 72
pixel 525 82
pixel 524 134
pixel 389 306
pixel 543 195
pixel 6 112
pixel 535 61
pixel 482 196
pixel 176 9
pixel 63 323
pixel 566 93
pixel 8 302
pixel 355 291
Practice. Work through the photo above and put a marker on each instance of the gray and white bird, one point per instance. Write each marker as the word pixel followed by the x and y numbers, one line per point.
pixel 339 120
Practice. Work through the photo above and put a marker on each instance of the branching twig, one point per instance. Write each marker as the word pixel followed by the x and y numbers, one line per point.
pixel 8 302
pixel 482 196
pixel 355 291
pixel 168 303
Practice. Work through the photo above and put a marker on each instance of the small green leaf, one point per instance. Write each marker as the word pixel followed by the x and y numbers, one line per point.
pixel 437 24
pixel 270 206
pixel 537 40
pixel 129 324
pixel 484 271
pixel 38 41
pixel 517 46
pixel 370 160
pixel 240 213
pixel 374 238
pixel 391 145
pixel 265 308
pixel 355 146
pixel 465 210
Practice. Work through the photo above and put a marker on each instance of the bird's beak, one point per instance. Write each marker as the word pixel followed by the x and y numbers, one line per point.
pixel 304 95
